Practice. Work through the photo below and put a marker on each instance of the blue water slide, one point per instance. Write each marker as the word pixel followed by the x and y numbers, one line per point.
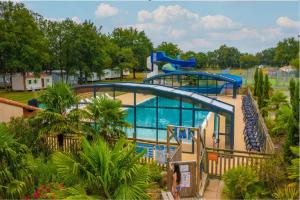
pixel 161 56
pixel 238 79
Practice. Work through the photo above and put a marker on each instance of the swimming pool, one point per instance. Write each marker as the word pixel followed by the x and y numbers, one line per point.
pixel 168 113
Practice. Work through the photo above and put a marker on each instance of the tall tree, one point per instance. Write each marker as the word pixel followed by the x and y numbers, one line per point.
pixel 212 59
pixel 228 56
pixel 140 44
pixel 124 60
pixel 286 50
pixel 255 81
pixel 248 61
pixel 201 58
pixel 22 43
pixel 266 57
pixel 169 48
pixel 292 87
pixel 260 88
pixel 266 94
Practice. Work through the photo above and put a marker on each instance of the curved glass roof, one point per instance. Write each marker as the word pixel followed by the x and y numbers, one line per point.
pixel 158 90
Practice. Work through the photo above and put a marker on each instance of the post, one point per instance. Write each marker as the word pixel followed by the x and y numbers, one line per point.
pixel 169 178
pixel 94 91
pixel 134 113
pixel 156 119
pixel 198 160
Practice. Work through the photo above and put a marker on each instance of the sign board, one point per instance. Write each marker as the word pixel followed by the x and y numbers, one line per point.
pixel 184 168
pixel 212 156
pixel 185 179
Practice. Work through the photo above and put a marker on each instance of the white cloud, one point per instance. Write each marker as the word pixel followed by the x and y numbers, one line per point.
pixel 76 20
pixel 217 22
pixel 106 10
pixel 144 15
pixel 286 22
pixel 176 33
pixel 192 31
pixel 246 33
pixel 167 14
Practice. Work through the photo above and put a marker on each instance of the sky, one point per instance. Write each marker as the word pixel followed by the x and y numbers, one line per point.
pixel 251 26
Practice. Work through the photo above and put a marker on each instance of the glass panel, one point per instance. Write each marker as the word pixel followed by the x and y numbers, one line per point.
pixel 187 117
pixel 129 132
pixel 167 117
pixel 162 135
pixel 200 116
pixel 146 100
pixel 145 133
pixel 165 102
pixel 146 117
pixel 130 115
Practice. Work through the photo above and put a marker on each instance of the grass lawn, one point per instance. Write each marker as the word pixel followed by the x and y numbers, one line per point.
pixel 139 77
pixel 22 97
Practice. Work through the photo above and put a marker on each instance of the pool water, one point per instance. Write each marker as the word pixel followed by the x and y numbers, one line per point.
pixel 146 118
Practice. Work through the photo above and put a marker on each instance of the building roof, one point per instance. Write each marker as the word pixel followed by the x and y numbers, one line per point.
pixel 18 104
pixel 32 75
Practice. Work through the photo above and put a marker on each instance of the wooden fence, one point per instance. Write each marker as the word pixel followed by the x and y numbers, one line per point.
pixel 70 143
pixel 147 160
pixel 220 161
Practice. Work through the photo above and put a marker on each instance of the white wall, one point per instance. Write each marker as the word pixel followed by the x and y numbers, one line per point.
pixel 35 83
pixel 17 82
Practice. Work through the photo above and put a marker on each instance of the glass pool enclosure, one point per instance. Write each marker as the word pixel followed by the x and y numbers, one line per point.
pixel 150 126
pixel 151 108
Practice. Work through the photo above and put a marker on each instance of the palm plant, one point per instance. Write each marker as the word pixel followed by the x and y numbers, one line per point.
pixel 58 98
pixel 15 171
pixel 108 117
pixel 277 99
pixel 104 172
pixel 283 116
pixel 293 169
pixel 56 119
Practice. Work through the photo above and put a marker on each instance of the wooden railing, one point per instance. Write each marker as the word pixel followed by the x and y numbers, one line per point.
pixel 220 161
pixel 71 143
pixel 268 145
pixel 146 160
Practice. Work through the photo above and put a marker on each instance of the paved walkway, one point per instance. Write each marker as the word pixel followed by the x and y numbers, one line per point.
pixel 214 189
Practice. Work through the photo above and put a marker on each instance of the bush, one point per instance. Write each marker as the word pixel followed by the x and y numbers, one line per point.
pixel 242 183
pixel 155 172
pixel 287 192
pixel 273 172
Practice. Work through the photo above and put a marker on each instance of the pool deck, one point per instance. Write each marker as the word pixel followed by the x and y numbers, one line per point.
pixel 127 99
pixel 239 125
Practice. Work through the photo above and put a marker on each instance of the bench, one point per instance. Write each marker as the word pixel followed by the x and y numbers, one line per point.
pixel 166 195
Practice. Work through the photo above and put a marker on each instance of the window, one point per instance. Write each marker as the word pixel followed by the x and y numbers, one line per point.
pixel 35 81
pixel 29 82
pixel 47 80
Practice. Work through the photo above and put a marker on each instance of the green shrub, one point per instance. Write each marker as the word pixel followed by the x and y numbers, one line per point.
pixel 242 183
pixel 287 192
pixel 155 172
pixel 273 172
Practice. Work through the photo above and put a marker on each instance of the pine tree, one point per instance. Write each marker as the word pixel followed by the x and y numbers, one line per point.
pixel 295 107
pixel 292 89
pixel 259 89
pixel 255 81
pixel 265 96
pixel 292 138
pixel 267 87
